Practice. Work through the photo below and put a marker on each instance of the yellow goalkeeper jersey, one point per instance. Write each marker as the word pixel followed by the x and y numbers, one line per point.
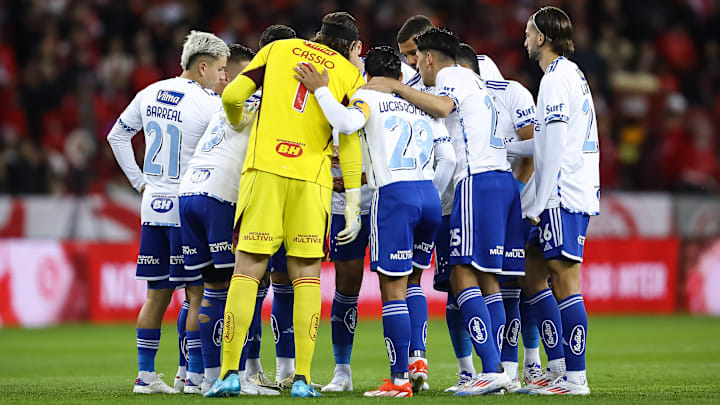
pixel 291 136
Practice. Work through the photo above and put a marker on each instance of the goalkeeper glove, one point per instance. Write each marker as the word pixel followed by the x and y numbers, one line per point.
pixel 352 217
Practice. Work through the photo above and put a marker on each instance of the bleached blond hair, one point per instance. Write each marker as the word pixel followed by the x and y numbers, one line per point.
pixel 202 43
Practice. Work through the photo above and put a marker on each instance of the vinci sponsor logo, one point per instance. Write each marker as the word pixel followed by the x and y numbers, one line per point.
pixel 161 204
pixel 289 150
pixel 169 97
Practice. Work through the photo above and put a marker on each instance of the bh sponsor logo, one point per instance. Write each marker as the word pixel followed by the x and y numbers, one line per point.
pixel 350 319
pixel 513 332
pixel 390 348
pixel 229 326
pixel 477 330
pixel 199 175
pixel 169 97
pixel 289 150
pixel 549 333
pixel 577 340
pixel 217 333
pixel 161 204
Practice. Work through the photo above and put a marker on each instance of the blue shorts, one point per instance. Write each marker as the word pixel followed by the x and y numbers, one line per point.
pixel 160 259
pixel 561 234
pixel 441 282
pixel 486 226
pixel 207 231
pixel 404 219
pixel 353 250
pixel 278 261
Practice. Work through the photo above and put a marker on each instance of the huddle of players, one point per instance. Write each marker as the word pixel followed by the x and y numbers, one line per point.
pixel 479 225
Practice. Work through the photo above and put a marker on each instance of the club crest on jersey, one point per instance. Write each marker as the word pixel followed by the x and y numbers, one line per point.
pixel 217 333
pixel 477 329
pixel 577 340
pixel 289 150
pixel 275 329
pixel 350 319
pixel 549 334
pixel 390 348
pixel 513 332
pixel 161 204
pixel 169 97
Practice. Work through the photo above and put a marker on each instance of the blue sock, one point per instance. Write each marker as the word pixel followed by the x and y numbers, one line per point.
pixel 148 341
pixel 343 319
pixel 182 341
pixel 511 337
pixel 281 320
pixel 396 328
pixel 547 316
pixel 456 326
pixel 575 325
pixel 195 357
pixel 255 331
pixel 477 322
pixel 496 309
pixel 211 331
pixel 530 334
pixel 418 308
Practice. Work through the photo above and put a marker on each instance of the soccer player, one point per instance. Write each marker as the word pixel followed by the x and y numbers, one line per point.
pixel 516 117
pixel 405 211
pixel 207 206
pixel 567 189
pixel 486 213
pixel 173 113
pixel 286 187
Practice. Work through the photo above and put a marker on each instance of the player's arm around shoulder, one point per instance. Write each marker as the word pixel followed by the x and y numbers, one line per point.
pixel 244 85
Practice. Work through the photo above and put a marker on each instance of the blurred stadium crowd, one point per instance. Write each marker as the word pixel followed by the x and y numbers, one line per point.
pixel 69 67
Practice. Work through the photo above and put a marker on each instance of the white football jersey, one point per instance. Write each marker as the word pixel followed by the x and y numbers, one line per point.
pixel 565 96
pixel 516 109
pixel 216 167
pixel 398 138
pixel 174 114
pixel 488 68
pixel 472 123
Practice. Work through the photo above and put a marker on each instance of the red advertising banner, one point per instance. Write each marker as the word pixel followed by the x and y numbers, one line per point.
pixel 630 275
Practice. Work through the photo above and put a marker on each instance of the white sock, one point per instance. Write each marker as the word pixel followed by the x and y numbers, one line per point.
pixel 557 366
pixel 253 366
pixel 465 364
pixel 212 373
pixel 343 369
pixel 147 376
pixel 242 375
pixel 400 381
pixel 285 366
pixel 182 371
pixel 577 377
pixel 511 368
pixel 195 378
pixel 531 356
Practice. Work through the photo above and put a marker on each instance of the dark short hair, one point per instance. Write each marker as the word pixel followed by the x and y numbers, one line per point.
pixel 557 28
pixel 383 61
pixel 439 40
pixel 466 55
pixel 276 32
pixel 414 25
pixel 342 21
pixel 240 53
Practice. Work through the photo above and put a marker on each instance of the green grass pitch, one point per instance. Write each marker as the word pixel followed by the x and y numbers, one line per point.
pixel 630 360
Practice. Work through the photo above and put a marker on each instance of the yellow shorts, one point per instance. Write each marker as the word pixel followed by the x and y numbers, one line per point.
pixel 274 210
